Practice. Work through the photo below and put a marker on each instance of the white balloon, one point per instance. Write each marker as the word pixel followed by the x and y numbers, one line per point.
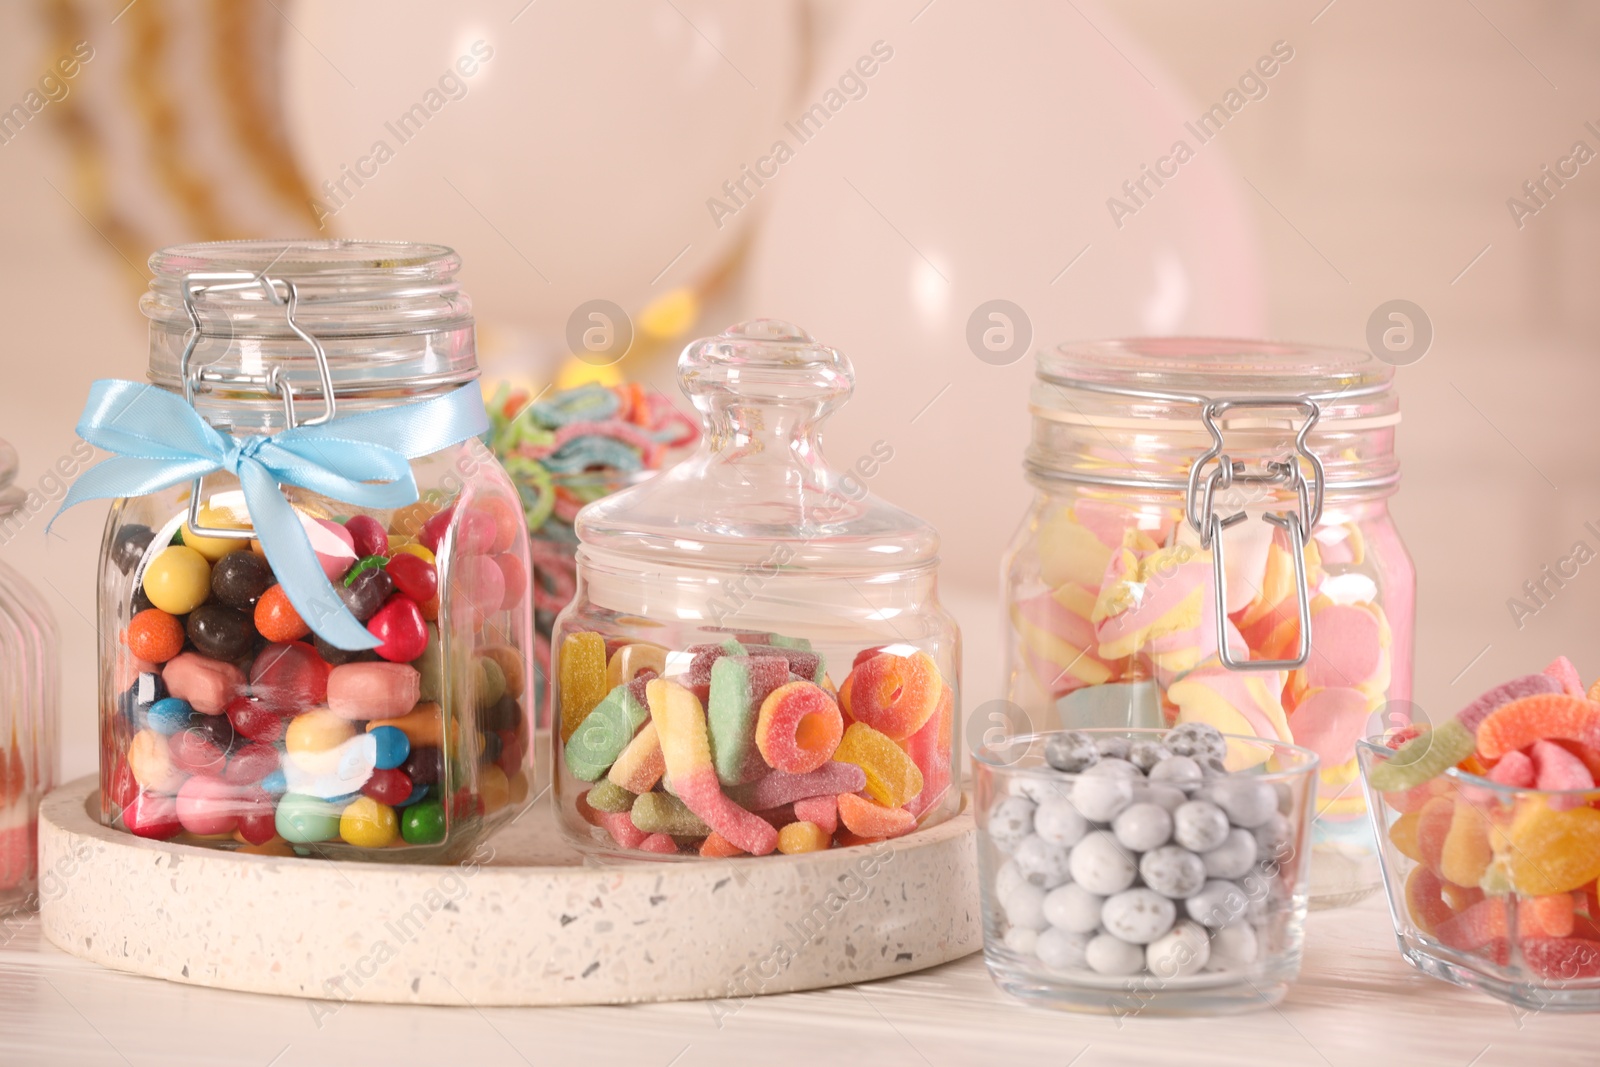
pixel 572 163
pixel 977 167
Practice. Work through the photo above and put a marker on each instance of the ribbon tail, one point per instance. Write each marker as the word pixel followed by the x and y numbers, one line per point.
pixel 289 551
pixel 126 476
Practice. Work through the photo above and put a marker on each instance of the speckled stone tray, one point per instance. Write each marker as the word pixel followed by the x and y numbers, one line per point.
pixel 527 920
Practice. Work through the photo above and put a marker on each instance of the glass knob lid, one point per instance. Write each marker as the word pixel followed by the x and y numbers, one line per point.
pixel 763 390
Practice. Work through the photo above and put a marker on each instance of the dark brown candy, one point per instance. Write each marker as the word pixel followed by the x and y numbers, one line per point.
pixel 239 578
pixel 221 632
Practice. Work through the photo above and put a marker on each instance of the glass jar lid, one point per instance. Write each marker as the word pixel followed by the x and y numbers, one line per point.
pixel 757 491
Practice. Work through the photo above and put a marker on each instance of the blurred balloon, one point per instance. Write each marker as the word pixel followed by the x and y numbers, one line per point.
pixel 565 149
pixel 953 220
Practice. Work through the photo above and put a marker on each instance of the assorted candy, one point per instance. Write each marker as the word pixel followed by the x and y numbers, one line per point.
pixel 237 725
pixel 1514 835
pixel 566 449
pixel 1139 857
pixel 746 747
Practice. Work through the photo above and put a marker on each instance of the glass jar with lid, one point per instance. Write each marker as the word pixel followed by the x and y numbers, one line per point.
pixel 1211 541
pixel 314 611
pixel 755 659
pixel 29 694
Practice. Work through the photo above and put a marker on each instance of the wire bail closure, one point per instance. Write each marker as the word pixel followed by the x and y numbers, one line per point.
pixel 199 379
pixel 1199 510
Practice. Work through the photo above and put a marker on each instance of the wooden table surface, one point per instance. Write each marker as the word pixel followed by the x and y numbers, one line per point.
pixel 1356 1004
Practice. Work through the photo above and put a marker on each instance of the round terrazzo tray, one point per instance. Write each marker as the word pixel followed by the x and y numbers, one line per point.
pixel 527 920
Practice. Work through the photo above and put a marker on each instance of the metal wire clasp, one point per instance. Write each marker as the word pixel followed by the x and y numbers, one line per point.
pixel 1205 480
pixel 196 379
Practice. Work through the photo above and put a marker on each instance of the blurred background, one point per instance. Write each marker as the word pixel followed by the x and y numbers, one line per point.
pixel 874 172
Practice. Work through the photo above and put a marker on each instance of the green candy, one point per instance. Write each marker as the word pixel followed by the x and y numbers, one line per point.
pixel 799 644
pixel 1425 756
pixel 738 686
pixel 431 666
pixel 491 682
pixel 421 824
pixel 658 813
pixel 366 563
pixel 597 742
pixel 303 820
pixel 609 796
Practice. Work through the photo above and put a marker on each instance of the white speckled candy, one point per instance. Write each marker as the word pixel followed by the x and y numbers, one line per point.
pixel 1217 904
pixel 1024 906
pixel 1234 857
pixel 1272 837
pixel 1142 827
pixel 1113 956
pixel 1196 739
pixel 1062 950
pixel 1071 751
pixel 1233 947
pixel 1168 796
pixel 1044 863
pixel 1006 879
pixel 1146 754
pixel 1199 826
pixel 1074 908
pixel 1101 865
pixel 1138 916
pixel 1180 771
pixel 1173 872
pixel 1010 820
pixel 1059 822
pixel 1180 952
pixel 1102 791
pixel 1247 802
pixel 1021 940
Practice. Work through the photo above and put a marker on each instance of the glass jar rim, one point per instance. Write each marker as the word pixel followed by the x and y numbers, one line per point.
pixel 1307 761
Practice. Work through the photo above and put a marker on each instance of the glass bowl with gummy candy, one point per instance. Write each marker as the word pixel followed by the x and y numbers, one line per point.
pixel 1131 871
pixel 755 660
pixel 1489 831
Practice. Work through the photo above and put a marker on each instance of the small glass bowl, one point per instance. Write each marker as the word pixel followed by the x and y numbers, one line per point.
pixel 1195 969
pixel 1492 887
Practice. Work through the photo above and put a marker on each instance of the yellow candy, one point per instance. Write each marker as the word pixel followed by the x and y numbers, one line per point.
pixel 518 788
pixel 368 824
pixel 892 778
pixel 583 679
pixel 1553 851
pixel 802 837
pixel 214 548
pixel 420 551
pixel 495 788
pixel 629 660
pixel 150 761
pixel 1466 853
pixel 318 730
pixel 510 661
pixel 178 580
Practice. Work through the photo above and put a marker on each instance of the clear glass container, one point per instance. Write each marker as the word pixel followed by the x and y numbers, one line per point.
pixel 1184 892
pixel 1149 453
pixel 755 658
pixel 224 720
pixel 1490 886
pixel 29 695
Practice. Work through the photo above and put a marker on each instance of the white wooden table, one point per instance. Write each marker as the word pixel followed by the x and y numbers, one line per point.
pixel 1357 1004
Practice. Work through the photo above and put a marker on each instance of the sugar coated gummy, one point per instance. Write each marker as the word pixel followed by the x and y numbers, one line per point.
pixel 892 778
pixel 799 729
pixel 583 679
pixel 895 695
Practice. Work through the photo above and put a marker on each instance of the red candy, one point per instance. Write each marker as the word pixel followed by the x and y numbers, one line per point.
pixel 255 720
pixel 195 753
pixel 208 806
pixel 515 578
pixel 391 787
pixel 289 678
pixel 249 763
pixel 413 576
pixel 433 530
pixel 368 535
pixel 152 815
pixel 1562 958
pixel 399 626
pixel 895 695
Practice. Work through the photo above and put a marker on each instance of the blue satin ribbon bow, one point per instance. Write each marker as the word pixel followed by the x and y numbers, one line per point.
pixel 159 440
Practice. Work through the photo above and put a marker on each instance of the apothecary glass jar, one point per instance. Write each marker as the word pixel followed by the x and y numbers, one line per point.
pixel 226 718
pixel 29 693
pixel 755 659
pixel 1160 462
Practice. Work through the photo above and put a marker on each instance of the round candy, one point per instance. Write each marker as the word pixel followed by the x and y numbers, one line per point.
pixel 251 762
pixel 1138 915
pixel 1010 820
pixel 1168 796
pixel 289 677
pixel 1024 906
pixel 1021 940
pixel 178 580
pixel 423 823
pixel 152 815
pixel 424 766
pixel 1247 802
pixel 514 578
pixel 1196 739
pixel 304 820
pixel 1234 857
pixel 1145 754
pixel 1062 950
pixel 274 783
pixel 1272 837
pixel 1072 907
pixel 276 619
pixel 1041 862
pixel 239 578
pixel 1102 791
pixel 1101 865
pixel 1180 771
pixel 367 535
pixel 169 715
pixel 208 806
pixel 895 695
pixel 214 548
pixel 1218 903
pixel 400 629
pixel 129 548
pixel 1142 827
pixel 221 632
pixel 1182 951
pixel 1110 955
pixel 255 720
pixel 150 761
pixel 413 575
pixel 1071 751
pixel 1173 872
pixel 393 748
pixel 317 731
pixel 1114 747
pixel 154 636
pixel 194 753
pixel 368 824
pixel 1199 826
pixel 1234 947
pixel 798 727
pixel 364 591
pixel 1059 822
pixel 389 786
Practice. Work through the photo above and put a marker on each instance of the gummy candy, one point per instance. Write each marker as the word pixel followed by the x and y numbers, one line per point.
pixel 779 788
pixel 929 748
pixel 1553 851
pixel 1555 768
pixel 867 819
pixel 1423 757
pixel 716 846
pixel 823 811
pixel 686 749
pixel 799 728
pixel 1433 828
pixel 1562 959
pixel 609 796
pixel 601 737
pixel 1562 670
pixel 1424 900
pixel 803 837
pixel 1543 717
pixel 1465 854
pixel 640 765
pixel 739 686
pixel 629 661
pixel 663 813
pixel 895 695
pixel 1514 769
pixel 892 778
pixel 583 679
pixel 659 843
